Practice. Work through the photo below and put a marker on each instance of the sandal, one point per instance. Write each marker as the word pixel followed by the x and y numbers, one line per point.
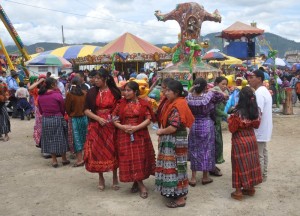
pixel 65 162
pixel 173 204
pixel 236 196
pixel 192 184
pixel 217 172
pixel 101 187
pixel 248 192
pixel 78 164
pixel 207 181
pixel 134 188
pixel 144 194
pixel 5 139
pixel 115 187
pixel 55 165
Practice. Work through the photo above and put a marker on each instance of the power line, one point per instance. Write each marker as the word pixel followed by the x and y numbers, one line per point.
pixel 81 15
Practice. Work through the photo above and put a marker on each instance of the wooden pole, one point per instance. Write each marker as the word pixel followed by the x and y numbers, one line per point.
pixel 288 103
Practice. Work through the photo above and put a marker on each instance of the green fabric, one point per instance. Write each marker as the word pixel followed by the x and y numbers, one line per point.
pixel 166 184
pixel 182 168
pixel 219 144
pixel 167 145
pixel 220 114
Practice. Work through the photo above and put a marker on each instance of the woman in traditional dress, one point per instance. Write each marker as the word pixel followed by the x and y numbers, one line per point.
pixel 135 149
pixel 54 127
pixel 246 172
pixel 202 133
pixel 163 100
pixel 33 91
pixel 32 80
pixel 171 178
pixel 220 86
pixel 4 117
pixel 75 100
pixel 100 151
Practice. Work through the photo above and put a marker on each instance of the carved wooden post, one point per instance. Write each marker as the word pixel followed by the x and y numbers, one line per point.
pixel 288 103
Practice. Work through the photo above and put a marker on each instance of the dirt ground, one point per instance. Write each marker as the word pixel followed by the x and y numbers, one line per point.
pixel 30 186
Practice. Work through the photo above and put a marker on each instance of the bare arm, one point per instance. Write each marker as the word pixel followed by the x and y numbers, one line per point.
pixel 168 130
pixel 93 116
pixel 35 84
pixel 132 129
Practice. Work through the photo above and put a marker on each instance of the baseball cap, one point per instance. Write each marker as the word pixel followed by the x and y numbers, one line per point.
pixel 257 73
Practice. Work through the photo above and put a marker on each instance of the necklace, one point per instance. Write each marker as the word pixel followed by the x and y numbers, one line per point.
pixel 102 91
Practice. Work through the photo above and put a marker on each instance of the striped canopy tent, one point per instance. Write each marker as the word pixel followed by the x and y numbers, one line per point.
pixel 131 44
pixel 126 48
pixel 71 52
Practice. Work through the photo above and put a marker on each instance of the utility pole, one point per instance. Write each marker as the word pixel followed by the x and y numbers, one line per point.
pixel 63 36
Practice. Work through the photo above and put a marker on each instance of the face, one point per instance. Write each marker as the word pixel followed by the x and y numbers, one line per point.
pixel 99 82
pixel 223 85
pixel 129 94
pixel 92 80
pixel 238 82
pixel 170 94
pixel 163 89
pixel 254 81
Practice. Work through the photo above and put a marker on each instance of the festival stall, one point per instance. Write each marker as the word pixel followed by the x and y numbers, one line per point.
pixel 47 63
pixel 127 51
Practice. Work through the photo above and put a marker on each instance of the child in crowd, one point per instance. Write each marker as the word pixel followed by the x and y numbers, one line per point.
pixel 23 105
pixel 246 172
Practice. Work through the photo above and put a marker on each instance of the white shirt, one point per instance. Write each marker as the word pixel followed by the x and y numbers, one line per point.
pixel 62 89
pixel 22 93
pixel 264 102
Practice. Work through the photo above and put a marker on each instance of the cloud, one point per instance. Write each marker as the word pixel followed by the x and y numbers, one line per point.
pixel 103 21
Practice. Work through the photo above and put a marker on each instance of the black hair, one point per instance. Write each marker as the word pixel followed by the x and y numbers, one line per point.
pixel 247 106
pixel 166 81
pixel 134 86
pixel 48 74
pixel 93 73
pixel 220 79
pixel 76 87
pixel 81 74
pixel 21 84
pixel 176 87
pixel 199 85
pixel 110 82
pixel 47 85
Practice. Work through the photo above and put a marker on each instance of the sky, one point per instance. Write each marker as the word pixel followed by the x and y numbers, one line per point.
pixel 105 20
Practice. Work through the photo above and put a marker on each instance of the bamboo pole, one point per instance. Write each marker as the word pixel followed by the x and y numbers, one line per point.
pixel 11 66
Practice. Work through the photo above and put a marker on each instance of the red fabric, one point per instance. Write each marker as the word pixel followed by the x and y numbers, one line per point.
pixel 246 172
pixel 145 107
pixel 3 92
pixel 160 110
pixel 34 92
pixel 100 152
pixel 137 158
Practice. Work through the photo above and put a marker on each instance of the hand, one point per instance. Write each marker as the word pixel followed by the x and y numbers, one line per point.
pixel 226 96
pixel 101 121
pixel 41 80
pixel 159 132
pixel 133 129
pixel 125 128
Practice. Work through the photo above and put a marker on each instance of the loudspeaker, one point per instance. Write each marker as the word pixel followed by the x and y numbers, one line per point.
pixel 251 49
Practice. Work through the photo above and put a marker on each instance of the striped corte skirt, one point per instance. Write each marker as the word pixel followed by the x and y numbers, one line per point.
pixel 54 135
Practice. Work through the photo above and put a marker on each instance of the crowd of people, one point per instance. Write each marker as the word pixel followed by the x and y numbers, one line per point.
pixel 100 118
